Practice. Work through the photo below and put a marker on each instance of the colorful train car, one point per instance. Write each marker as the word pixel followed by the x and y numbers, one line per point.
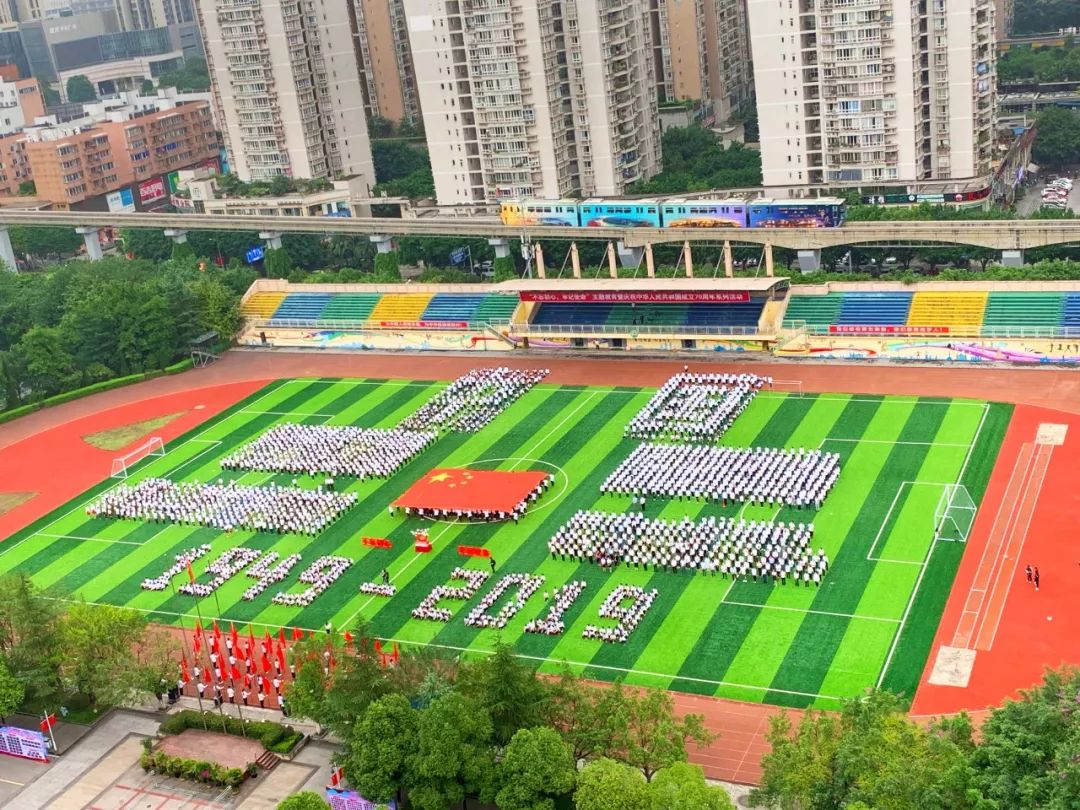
pixel 703 213
pixel 822 212
pixel 540 212
pixel 619 214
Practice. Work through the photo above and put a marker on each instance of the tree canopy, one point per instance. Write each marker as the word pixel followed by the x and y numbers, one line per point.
pixel 694 160
pixel 1025 64
pixel 1043 16
pixel 1057 141
pixel 193 77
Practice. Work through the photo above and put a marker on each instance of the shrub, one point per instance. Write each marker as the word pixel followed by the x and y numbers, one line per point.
pixel 195 770
pixel 272 736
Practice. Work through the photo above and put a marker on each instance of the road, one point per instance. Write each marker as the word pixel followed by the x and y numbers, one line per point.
pixel 1033 199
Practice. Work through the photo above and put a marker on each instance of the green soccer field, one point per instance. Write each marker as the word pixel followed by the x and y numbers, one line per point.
pixel 870 623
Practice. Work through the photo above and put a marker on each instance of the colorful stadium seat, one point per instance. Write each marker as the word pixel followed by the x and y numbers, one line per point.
pixel 302 307
pixel 262 304
pixel 400 308
pixel 948 309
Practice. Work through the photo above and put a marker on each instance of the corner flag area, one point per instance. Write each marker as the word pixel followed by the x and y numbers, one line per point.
pixel 468 490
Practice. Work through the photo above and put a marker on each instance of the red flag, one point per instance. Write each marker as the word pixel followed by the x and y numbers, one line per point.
pixel 281 657
pixel 190 574
pixel 235 673
pixel 281 635
pixel 378 646
pixel 266 666
pixel 184 675
pixel 251 634
pixel 206 677
pixel 268 640
pixel 247 680
pixel 48 722
pixel 217 631
pixel 348 638
pixel 234 635
pixel 197 644
pixel 198 628
pixel 396 654
pixel 297 634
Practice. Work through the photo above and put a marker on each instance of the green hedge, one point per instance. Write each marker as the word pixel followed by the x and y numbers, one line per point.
pixel 273 736
pixel 195 770
pixel 98 387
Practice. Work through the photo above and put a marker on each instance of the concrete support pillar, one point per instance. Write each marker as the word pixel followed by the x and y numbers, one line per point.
pixel 7 253
pixel 630 256
pixel 272 239
pixel 768 260
pixel 502 248
pixel 689 258
pixel 92 240
pixel 538 253
pixel 382 242
pixel 1012 258
pixel 178 235
pixel 809 260
pixel 612 265
pixel 575 260
pixel 729 264
pixel 650 265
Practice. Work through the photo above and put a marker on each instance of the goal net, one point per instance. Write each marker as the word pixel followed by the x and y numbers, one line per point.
pixel 122 465
pixel 955 513
pixel 793 387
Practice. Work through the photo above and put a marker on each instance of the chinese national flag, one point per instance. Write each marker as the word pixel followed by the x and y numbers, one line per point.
pixel 190 574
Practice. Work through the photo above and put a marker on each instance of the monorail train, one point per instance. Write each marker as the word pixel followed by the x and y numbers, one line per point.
pixel 821 212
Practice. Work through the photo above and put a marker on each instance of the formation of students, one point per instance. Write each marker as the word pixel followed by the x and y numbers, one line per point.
pixel 227 506
pixel 319 576
pixel 736 548
pixel 527 585
pixel 474 580
pixel 551 624
pixel 629 617
pixel 474 399
pixel 695 407
pixel 330 450
pixel 761 475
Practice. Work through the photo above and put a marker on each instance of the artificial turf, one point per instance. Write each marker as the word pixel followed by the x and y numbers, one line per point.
pixel 871 621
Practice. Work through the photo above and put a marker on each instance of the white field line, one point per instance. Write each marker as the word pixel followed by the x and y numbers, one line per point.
pixel 91 539
pixel 815 612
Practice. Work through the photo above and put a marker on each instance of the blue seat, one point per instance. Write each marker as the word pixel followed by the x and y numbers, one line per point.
pixel 572 314
pixel 884 309
pixel 1070 311
pixel 452 307
pixel 302 306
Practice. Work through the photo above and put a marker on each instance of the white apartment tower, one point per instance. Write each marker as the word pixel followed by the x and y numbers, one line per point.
pixel 522 99
pixel 288 87
pixel 865 92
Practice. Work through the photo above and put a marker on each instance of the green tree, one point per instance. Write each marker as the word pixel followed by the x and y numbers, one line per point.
pixel 193 77
pixel 80 89
pixel 49 93
pixel 1043 16
pixel 454 757
pixel 504 269
pixel 869 755
pixel 1057 141
pixel 181 251
pixel 694 160
pixel 536 768
pixel 648 734
pixel 144 243
pixel 49 366
pixel 379 127
pixel 573 707
pixel 507 690
pixel 682 787
pixel 276 263
pixel 1028 752
pixel 279 185
pixel 147 88
pixel 387 268
pixel 378 749
pixel 304 800
pixel 29 637
pixel 609 785
pixel 27 188
pixel 12 692
pixel 44 240
pixel 396 159
pixel 97 641
pixel 218 308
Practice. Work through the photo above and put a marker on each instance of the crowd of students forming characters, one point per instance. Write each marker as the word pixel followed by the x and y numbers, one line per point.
pixel 695 407
pixel 474 399
pixel 331 450
pixel 739 549
pixel 758 475
pixel 225 505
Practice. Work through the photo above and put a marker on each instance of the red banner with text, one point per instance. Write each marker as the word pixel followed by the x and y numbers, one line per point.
pixel 425 324
pixel 865 329
pixel 630 297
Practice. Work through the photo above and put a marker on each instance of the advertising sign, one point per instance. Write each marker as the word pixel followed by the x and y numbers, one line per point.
pixel 120 201
pixel 630 297
pixel 174 181
pixel 425 324
pixel 255 254
pixel 21 742
pixel 340 799
pixel 151 190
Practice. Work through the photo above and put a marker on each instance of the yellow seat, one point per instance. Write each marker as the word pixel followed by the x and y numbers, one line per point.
pixel 262 305
pixel 947 309
pixel 404 307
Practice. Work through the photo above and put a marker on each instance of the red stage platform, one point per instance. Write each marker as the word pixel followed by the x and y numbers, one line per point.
pixel 470 490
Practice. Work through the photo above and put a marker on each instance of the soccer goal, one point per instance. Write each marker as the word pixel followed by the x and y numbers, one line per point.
pixel 122 465
pixel 955 513
pixel 794 387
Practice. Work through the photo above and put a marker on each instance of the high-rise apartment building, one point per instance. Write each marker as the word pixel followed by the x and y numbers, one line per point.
pixel 288 88
pixel 862 92
pixel 703 53
pixel 389 78
pixel 528 99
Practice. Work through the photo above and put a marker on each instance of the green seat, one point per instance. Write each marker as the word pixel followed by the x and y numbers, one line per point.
pixel 350 307
pixel 815 310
